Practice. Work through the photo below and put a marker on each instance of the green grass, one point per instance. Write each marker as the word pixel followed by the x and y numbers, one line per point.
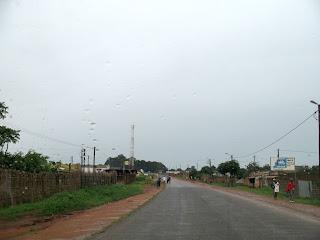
pixel 76 200
pixel 267 191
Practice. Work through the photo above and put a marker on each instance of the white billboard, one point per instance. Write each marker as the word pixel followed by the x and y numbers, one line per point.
pixel 282 163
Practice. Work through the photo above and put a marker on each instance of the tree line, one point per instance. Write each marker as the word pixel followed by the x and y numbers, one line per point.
pixel 233 168
pixel 146 166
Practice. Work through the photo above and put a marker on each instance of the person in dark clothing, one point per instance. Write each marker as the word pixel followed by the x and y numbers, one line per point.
pixel 158 182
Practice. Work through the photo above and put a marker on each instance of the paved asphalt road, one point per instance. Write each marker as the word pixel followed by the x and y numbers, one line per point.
pixel 189 211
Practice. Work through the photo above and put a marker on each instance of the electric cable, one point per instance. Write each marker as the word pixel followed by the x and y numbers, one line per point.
pixel 296 151
pixel 35 134
pixel 280 137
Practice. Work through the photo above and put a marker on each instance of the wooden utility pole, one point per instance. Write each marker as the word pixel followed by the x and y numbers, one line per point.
pixel 88 165
pixel 94 159
pixel 319 135
pixel 84 159
pixel 319 130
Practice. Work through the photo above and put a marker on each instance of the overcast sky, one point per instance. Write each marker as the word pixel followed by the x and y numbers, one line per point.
pixel 198 79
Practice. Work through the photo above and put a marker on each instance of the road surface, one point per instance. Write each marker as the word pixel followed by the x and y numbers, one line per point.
pixel 189 211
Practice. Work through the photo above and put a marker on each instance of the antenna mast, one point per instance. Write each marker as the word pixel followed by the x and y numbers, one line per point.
pixel 131 161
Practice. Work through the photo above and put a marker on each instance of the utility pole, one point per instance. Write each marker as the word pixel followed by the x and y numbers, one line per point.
pixel 84 159
pixel 71 160
pixel 81 160
pixel 319 130
pixel 319 135
pixel 278 152
pixel 254 164
pixel 230 156
pixel 94 159
pixel 131 161
pixel 197 166
pixel 209 162
pixel 88 165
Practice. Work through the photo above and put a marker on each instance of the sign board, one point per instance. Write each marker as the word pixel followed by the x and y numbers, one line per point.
pixel 126 163
pixel 282 163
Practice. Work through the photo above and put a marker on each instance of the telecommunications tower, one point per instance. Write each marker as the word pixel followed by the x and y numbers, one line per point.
pixel 131 161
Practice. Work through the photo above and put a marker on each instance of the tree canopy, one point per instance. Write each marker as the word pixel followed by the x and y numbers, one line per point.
pixel 29 162
pixel 231 167
pixel 117 162
pixel 207 170
pixel 7 135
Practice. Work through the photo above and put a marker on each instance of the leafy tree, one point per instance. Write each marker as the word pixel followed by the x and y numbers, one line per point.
pixel 231 167
pixel 265 167
pixel 36 162
pixel 117 162
pixel 242 173
pixel 207 170
pixel 193 172
pixel 30 162
pixel 305 168
pixel 3 110
pixel 222 168
pixel 7 135
pixel 252 167
pixel 315 169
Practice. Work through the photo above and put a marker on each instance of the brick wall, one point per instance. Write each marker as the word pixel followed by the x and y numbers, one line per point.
pixel 23 187
pixel 283 180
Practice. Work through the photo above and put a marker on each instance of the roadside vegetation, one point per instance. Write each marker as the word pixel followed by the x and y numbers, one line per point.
pixel 267 191
pixel 65 202
pixel 29 162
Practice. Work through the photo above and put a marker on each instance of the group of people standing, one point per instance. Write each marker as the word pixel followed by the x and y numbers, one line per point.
pixel 164 179
pixel 275 185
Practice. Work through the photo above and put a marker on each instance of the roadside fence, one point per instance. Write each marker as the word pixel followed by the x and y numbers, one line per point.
pixel 23 187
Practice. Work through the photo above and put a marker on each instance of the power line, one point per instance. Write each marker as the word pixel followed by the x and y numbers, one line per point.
pixel 279 138
pixel 297 151
pixel 35 134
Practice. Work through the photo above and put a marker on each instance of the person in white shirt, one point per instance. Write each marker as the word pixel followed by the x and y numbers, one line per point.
pixel 276 189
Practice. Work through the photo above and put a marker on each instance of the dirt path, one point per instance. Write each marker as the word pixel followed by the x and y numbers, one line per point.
pixel 313 211
pixel 81 224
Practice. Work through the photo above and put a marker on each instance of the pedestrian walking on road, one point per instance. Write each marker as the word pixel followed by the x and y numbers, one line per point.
pixel 276 188
pixel 290 188
pixel 158 182
pixel 164 179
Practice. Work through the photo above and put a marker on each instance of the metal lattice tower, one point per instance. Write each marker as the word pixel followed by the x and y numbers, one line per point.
pixel 131 161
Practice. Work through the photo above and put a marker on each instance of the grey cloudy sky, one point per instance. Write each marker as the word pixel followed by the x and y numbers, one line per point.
pixel 197 78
